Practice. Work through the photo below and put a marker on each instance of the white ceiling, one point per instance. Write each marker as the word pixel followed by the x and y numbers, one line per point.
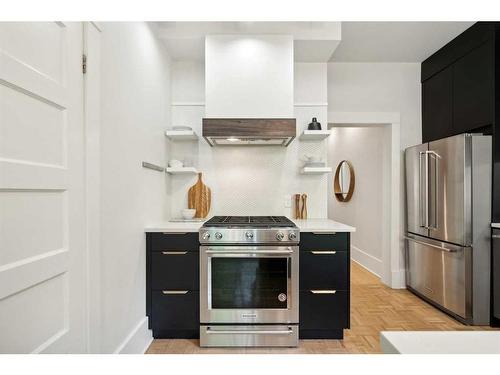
pixel 323 41
pixel 394 41
pixel 313 41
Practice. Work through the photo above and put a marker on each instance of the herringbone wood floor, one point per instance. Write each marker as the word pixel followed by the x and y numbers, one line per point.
pixel 374 308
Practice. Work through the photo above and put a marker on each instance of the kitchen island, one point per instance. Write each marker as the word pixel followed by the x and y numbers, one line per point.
pixel 440 342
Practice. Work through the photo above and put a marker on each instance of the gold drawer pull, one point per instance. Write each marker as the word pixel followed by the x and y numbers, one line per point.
pixel 175 291
pixel 323 291
pixel 174 252
pixel 318 252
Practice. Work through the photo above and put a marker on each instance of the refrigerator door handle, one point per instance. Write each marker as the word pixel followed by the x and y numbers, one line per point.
pixel 423 189
pixel 442 248
pixel 434 217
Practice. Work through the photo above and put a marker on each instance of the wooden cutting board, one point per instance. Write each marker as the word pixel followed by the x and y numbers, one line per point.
pixel 200 198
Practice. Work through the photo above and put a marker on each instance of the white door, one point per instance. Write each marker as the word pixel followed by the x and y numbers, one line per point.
pixel 42 200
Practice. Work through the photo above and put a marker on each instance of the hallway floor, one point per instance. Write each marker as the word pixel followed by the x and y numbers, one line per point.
pixel 374 308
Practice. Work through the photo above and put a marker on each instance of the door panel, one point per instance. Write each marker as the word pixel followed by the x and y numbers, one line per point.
pixel 415 189
pixel 440 275
pixel 496 272
pixel 42 205
pixel 175 270
pixel 175 311
pixel 249 283
pixel 450 190
pixel 175 242
pixel 437 106
pixel 324 242
pixel 320 270
pixel 322 311
pixel 474 89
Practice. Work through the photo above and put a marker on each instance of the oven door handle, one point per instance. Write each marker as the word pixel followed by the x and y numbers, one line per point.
pixel 289 331
pixel 240 252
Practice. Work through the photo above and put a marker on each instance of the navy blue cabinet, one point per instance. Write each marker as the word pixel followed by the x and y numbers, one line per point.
pixel 324 280
pixel 172 284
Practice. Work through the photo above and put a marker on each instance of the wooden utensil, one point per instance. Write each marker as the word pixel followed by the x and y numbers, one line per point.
pixel 297 206
pixel 303 212
pixel 200 198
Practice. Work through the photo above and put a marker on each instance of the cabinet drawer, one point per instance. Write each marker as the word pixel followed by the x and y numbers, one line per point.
pixel 332 242
pixel 175 270
pixel 324 311
pixel 175 312
pixel 175 241
pixel 324 270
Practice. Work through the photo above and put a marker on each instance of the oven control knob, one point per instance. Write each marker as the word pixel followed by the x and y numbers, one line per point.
pixel 206 236
pixel 218 235
pixel 280 236
pixel 249 235
pixel 292 236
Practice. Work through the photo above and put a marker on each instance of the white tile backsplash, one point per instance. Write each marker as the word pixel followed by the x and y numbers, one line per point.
pixel 250 180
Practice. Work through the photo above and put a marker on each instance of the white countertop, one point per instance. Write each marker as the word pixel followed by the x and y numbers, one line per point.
pixel 309 225
pixel 322 226
pixel 440 342
pixel 495 225
pixel 174 227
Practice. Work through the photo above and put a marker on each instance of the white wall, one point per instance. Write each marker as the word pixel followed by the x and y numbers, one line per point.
pixel 135 89
pixel 377 88
pixel 368 150
pixel 249 76
pixel 250 180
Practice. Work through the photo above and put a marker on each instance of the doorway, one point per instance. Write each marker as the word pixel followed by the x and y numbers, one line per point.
pixel 370 141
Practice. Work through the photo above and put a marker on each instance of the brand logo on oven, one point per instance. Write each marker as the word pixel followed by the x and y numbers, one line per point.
pixel 248 315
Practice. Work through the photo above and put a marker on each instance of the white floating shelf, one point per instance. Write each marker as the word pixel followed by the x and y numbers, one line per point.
pixel 183 170
pixel 315 170
pixel 188 104
pixel 314 135
pixel 181 135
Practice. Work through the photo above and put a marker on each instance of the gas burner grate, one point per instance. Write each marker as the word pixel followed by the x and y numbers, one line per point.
pixel 249 221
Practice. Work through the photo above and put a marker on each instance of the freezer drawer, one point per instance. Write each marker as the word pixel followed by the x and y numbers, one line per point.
pixel 442 273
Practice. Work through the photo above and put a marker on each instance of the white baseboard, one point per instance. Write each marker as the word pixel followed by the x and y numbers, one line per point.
pixel 372 264
pixel 138 340
pixel 398 279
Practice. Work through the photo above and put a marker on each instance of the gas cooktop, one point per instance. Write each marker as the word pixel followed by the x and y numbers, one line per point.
pixel 249 222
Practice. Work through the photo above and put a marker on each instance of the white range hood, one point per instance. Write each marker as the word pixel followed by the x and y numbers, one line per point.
pixel 249 76
pixel 249 90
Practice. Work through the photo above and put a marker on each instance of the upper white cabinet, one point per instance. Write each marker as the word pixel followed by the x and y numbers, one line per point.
pixel 249 76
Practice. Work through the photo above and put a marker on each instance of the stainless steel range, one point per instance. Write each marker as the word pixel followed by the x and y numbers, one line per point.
pixel 249 286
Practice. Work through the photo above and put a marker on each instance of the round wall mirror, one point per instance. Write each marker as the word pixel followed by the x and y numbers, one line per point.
pixel 343 182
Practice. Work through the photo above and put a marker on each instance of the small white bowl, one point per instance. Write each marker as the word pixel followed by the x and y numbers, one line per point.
pixel 175 163
pixel 188 213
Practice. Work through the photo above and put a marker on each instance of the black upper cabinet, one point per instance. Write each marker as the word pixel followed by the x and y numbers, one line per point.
pixel 473 89
pixel 470 39
pixel 437 106
pixel 458 84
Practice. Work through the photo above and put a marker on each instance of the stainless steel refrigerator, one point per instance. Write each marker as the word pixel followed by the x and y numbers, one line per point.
pixel 448 202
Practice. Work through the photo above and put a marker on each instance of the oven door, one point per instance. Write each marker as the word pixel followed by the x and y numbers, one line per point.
pixel 249 284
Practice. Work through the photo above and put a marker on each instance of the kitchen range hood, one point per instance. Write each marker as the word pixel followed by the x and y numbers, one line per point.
pixel 249 131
